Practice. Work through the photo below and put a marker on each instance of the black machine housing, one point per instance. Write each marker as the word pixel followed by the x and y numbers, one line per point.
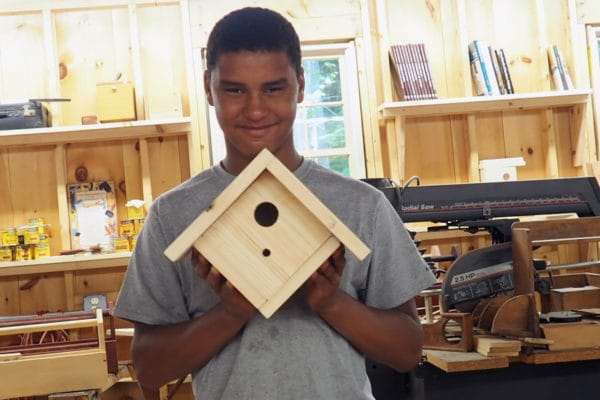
pixel 23 115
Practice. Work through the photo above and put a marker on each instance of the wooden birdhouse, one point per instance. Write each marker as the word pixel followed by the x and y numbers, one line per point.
pixel 266 233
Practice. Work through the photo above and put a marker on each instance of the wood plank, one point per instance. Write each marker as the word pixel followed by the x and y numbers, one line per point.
pixel 551 357
pixel 165 166
pixel 457 361
pixel 184 242
pixel 95 133
pixel 484 104
pixel 311 202
pixel 6 202
pixel 162 63
pixel 59 371
pixel 575 335
pixel 199 152
pixel 74 370
pixel 64 263
pixel 60 173
pixel 41 327
pixel 16 33
pixel 299 277
pixel 20 6
pixel 136 60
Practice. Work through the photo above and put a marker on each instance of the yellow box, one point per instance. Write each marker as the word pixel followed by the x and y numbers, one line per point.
pixel 9 237
pixel 23 252
pixel 126 227
pixel 41 250
pixel 115 101
pixel 32 235
pixel 37 221
pixel 138 224
pixel 6 253
pixel 134 212
pixel 121 244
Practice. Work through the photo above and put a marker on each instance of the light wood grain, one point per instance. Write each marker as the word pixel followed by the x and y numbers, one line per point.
pixel 457 361
pixel 59 371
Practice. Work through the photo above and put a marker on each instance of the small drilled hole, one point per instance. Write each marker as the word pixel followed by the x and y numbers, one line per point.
pixel 266 252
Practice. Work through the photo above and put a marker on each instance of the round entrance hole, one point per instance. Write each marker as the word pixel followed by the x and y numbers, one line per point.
pixel 266 214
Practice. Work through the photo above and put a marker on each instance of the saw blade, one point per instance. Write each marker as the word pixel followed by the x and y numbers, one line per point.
pixel 478 274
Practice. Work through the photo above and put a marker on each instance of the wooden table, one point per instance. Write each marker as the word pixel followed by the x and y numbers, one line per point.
pixel 542 374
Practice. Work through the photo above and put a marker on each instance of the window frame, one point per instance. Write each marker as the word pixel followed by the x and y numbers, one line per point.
pixel 346 55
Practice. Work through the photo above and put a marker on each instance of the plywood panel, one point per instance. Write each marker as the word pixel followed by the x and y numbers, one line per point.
pixel 89 60
pixel 588 11
pixel 314 20
pixel 9 296
pixel 103 161
pixel 42 293
pixel 162 62
pixel 28 189
pixel 132 171
pixel 105 281
pixel 524 138
pixel 6 212
pixel 426 16
pixel 428 150
pixel 22 77
pixel 515 28
pixel 32 184
pixel 165 169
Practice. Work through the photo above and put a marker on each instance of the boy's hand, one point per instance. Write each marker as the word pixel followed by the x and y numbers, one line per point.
pixel 233 301
pixel 322 286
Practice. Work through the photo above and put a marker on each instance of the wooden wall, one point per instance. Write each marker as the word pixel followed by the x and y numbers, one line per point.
pixel 73 45
pixel 69 49
pixel 63 48
pixel 524 29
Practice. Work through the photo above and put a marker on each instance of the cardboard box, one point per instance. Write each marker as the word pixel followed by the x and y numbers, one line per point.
pixel 500 169
pixel 573 291
pixel 115 101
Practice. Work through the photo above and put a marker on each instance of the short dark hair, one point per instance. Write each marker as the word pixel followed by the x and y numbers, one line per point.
pixel 253 29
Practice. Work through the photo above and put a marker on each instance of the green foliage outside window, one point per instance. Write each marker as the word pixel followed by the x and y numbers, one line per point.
pixel 320 121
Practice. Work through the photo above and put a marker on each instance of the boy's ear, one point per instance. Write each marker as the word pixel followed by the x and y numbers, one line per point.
pixel 301 84
pixel 209 96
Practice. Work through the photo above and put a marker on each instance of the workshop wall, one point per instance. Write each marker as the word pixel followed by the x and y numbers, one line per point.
pixel 71 46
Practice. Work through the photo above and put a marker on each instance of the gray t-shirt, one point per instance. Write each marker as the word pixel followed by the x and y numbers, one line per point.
pixel 294 354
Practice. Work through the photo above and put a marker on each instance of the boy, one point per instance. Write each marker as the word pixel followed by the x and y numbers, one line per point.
pixel 189 319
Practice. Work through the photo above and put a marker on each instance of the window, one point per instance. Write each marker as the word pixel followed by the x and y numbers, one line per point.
pixel 328 126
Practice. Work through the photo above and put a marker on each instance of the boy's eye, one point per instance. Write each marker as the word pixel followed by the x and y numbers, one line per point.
pixel 273 89
pixel 234 90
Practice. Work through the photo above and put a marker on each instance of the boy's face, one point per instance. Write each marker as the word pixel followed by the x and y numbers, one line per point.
pixel 255 96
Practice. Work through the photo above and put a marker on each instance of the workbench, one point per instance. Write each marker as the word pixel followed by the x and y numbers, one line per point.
pixel 541 374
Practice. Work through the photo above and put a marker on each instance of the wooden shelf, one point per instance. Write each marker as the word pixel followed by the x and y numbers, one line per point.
pixel 481 104
pixel 75 262
pixel 470 107
pixel 96 132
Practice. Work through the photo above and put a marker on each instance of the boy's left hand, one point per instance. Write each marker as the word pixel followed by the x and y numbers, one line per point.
pixel 323 284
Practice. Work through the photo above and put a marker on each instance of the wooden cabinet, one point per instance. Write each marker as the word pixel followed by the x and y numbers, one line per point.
pixel 65 50
pixel 143 158
pixel 40 163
